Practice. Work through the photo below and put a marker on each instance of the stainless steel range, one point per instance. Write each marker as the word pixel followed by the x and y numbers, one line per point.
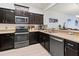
pixel 21 36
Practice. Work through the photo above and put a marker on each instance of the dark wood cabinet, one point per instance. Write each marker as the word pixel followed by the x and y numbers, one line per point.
pixel 44 41
pixel 35 18
pixel 10 16
pixel 6 41
pixel 7 16
pixel 21 13
pixel 2 15
pixel 33 38
pixel 41 39
pixel 31 18
pixel 47 43
pixel 21 10
pixel 38 19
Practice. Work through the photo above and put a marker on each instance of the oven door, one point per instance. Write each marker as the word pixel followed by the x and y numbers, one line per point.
pixel 19 37
pixel 21 20
pixel 21 28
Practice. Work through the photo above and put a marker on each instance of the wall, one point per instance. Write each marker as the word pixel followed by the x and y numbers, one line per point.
pixel 53 14
pixel 61 19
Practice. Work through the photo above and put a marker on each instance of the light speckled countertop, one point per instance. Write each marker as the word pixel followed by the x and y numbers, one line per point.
pixel 62 34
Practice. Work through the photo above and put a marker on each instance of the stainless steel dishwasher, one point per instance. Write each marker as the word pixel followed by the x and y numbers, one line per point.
pixel 56 46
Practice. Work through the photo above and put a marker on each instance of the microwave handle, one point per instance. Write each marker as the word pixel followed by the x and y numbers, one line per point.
pixel 27 20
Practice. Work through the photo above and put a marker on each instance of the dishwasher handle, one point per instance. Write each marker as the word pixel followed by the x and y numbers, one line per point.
pixel 57 39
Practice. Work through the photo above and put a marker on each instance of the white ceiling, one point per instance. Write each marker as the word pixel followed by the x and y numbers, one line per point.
pixel 67 8
pixel 39 5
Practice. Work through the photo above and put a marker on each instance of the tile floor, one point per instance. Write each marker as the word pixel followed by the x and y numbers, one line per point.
pixel 33 50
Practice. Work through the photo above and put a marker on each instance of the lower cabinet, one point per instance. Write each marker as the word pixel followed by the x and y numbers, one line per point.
pixel 33 38
pixel 6 41
pixel 44 41
pixel 56 46
pixel 47 44
pixel 41 40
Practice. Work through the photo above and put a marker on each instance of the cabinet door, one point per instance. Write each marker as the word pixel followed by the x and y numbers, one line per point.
pixel 31 18
pixel 35 18
pixel 21 10
pixel 2 15
pixel 46 41
pixel 41 39
pixel 26 14
pixel 7 42
pixel 18 11
pixel 32 38
pixel 41 19
pixel 38 19
pixel 47 44
pixel 10 17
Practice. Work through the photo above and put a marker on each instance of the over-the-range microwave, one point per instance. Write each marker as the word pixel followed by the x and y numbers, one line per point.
pixel 21 20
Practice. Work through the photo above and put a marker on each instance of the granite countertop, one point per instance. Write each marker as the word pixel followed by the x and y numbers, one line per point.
pixel 8 31
pixel 62 34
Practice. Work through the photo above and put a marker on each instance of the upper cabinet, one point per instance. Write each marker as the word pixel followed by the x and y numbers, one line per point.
pixel 38 19
pixel 31 18
pixel 10 16
pixel 21 10
pixel 7 16
pixel 35 18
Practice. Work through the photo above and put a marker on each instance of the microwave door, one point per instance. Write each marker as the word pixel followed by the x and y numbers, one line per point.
pixel 20 20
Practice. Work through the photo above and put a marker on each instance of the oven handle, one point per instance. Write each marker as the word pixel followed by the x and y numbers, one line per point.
pixel 22 33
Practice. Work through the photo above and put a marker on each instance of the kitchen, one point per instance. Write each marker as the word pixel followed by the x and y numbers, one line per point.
pixel 39 29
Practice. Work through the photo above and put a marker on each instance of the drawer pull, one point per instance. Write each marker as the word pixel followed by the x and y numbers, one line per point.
pixel 70 44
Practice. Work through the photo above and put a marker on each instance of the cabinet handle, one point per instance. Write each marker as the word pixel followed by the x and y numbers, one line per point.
pixel 11 11
pixel 3 20
pixel 6 21
pixel 65 49
pixel 70 44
